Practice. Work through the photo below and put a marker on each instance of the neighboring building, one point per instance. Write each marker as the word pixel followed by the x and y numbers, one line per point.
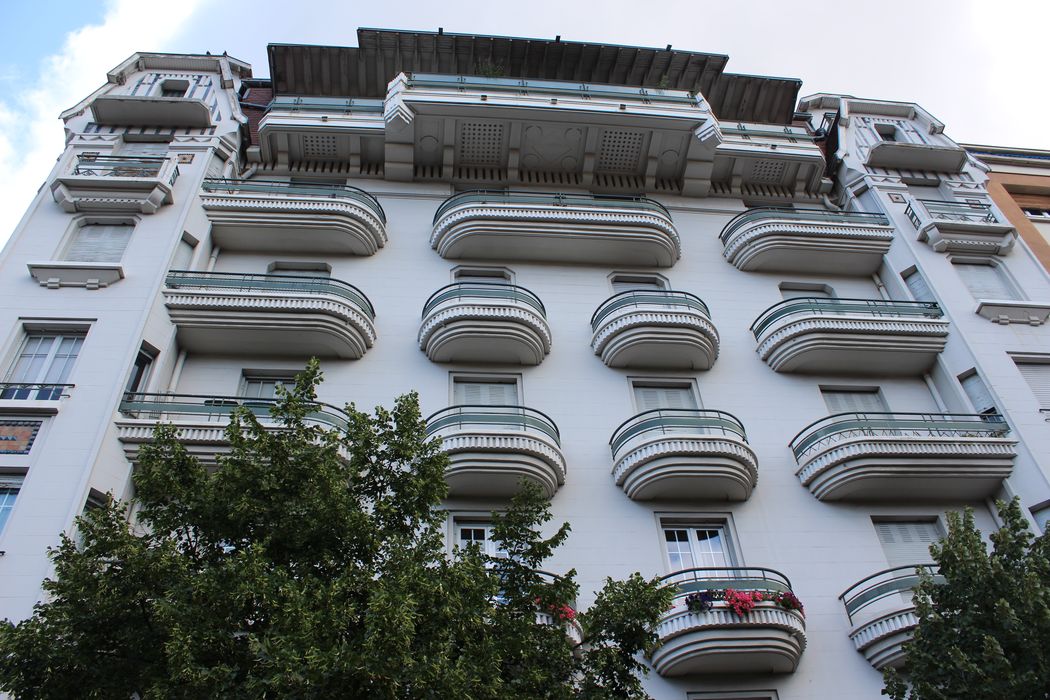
pixel 741 341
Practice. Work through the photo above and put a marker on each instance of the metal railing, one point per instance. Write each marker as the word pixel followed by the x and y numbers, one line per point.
pixel 90 165
pixel 553 199
pixel 241 282
pixel 843 426
pixel 821 306
pixel 290 189
pixel 712 578
pixel 965 212
pixel 898 580
pixel 470 416
pixel 484 290
pixel 330 105
pixel 677 421
pixel 647 298
pixel 153 406
pixel 33 391
pixel 817 216
pixel 558 87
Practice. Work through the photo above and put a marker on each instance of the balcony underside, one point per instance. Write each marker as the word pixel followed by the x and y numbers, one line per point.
pixel 891 468
pixel 82 193
pixel 287 225
pixel 145 110
pixel 658 339
pixel 493 464
pixel 917 156
pixel 203 440
pixel 968 237
pixel 882 640
pixel 707 468
pixel 765 640
pixel 855 346
pixel 484 333
pixel 269 325
pixel 791 246
pixel 557 234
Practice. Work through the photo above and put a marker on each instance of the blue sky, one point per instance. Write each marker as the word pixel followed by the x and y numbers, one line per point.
pixel 974 64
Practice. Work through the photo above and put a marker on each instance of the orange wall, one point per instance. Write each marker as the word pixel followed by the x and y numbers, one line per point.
pixel 1010 192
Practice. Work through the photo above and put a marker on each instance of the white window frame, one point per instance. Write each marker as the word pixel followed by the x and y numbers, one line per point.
pixel 8 501
pixel 689 384
pixel 684 521
pixel 620 277
pixel 20 343
pixel 460 523
pixel 911 519
pixel 484 378
pixel 498 274
pixel 278 376
pixel 70 238
pixel 1014 290
pixel 848 389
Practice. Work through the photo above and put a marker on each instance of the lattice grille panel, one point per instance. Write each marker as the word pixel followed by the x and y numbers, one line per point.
pixel 767 171
pixel 480 144
pixel 318 147
pixel 620 151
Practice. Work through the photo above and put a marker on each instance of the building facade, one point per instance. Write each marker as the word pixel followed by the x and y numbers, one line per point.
pixel 740 340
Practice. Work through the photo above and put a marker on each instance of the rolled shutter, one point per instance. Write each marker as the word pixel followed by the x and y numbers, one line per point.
pixel 1038 377
pixel 99 243
pixel 920 291
pixel 907 543
pixel 854 401
pixel 984 281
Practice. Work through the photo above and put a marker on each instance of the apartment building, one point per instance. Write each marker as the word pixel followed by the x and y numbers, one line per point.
pixel 739 339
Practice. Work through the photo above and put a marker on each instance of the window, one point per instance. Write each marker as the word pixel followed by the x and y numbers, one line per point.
pixel 9 486
pixel 1041 514
pixel 886 132
pixel 145 149
pixel 478 533
pixel 140 371
pixel 485 392
pixel 1037 374
pixel 627 283
pixel 490 275
pixel 985 281
pixel 264 385
pixel 858 400
pixel 174 88
pixel 98 243
pixel 45 358
pixel 697 545
pixel 301 269
pixel 978 393
pixel 920 291
pixel 801 290
pixel 648 397
pixel 907 542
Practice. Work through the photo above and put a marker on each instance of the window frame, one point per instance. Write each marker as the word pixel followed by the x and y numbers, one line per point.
pixel 685 520
pixel 689 383
pixel 497 273
pixel 1009 283
pixel 622 277
pixel 9 483
pixel 485 378
pixel 73 231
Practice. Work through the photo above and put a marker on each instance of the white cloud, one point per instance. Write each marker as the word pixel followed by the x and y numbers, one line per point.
pixel 31 135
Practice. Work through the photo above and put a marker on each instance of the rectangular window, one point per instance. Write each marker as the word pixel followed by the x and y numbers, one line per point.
pixel 1037 374
pixel 98 243
pixel 45 358
pixel 147 149
pixel 978 393
pixel 907 542
pixel 9 487
pixel 480 534
pixel 140 372
pixel 791 290
pixel 854 401
pixel 920 291
pixel 467 392
pixel 260 386
pixel 649 397
pixel 985 281
pixel 489 275
pixel 627 283
pixel 694 546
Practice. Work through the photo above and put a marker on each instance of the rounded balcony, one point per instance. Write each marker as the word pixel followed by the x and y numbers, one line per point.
pixel 483 322
pixel 655 329
pixel 561 616
pixel 881 614
pixel 819 335
pixel 492 448
pixel 556 227
pixel 904 456
pixel 670 453
pixel 703 634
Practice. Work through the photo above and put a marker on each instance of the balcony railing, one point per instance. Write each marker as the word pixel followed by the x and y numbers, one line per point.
pixel 278 187
pixel 208 408
pixel 496 291
pixel 647 297
pixel 560 87
pixel 886 583
pixel 240 282
pixel 873 308
pixel 20 391
pixel 740 578
pixel 550 199
pixel 822 216
pixel 678 421
pixel 967 212
pixel 121 166
pixel 500 418
pixel 330 105
pixel 843 426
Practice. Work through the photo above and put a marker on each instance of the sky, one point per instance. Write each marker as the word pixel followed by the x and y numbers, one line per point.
pixel 977 65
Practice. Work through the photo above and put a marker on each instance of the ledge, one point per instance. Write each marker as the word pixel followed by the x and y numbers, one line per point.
pixel 917 156
pixel 1004 312
pixel 147 110
pixel 60 273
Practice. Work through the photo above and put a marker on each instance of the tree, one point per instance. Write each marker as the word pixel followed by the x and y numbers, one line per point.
pixel 312 563
pixel 984 630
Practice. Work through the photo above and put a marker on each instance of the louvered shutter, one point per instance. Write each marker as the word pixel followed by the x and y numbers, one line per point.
pixel 907 543
pixel 486 393
pixel 920 291
pixel 854 401
pixel 653 397
pixel 978 393
pixel 1038 377
pixel 984 281
pixel 99 243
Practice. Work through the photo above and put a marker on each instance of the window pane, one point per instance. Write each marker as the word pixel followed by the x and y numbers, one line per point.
pixel 485 393
pixel 710 546
pixel 7 502
pixel 679 553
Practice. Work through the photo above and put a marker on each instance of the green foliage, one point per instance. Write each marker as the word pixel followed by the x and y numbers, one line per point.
pixel 985 633
pixel 312 564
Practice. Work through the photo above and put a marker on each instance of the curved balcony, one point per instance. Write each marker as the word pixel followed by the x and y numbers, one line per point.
pixel 881 614
pixel 851 336
pixel 558 618
pixel 200 419
pixel 492 448
pixel 807 240
pixel 670 453
pixel 275 216
pixel 768 639
pixel 902 456
pixel 579 228
pixel 232 313
pixel 655 329
pixel 117 183
pixel 485 322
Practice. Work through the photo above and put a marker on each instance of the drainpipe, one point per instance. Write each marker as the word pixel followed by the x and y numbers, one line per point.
pixel 176 372
pixel 211 260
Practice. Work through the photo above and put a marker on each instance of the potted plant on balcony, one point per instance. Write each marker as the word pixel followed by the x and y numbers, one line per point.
pixel 789 601
pixel 700 602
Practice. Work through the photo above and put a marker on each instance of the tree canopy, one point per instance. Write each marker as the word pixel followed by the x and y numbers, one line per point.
pixel 984 625
pixel 312 563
